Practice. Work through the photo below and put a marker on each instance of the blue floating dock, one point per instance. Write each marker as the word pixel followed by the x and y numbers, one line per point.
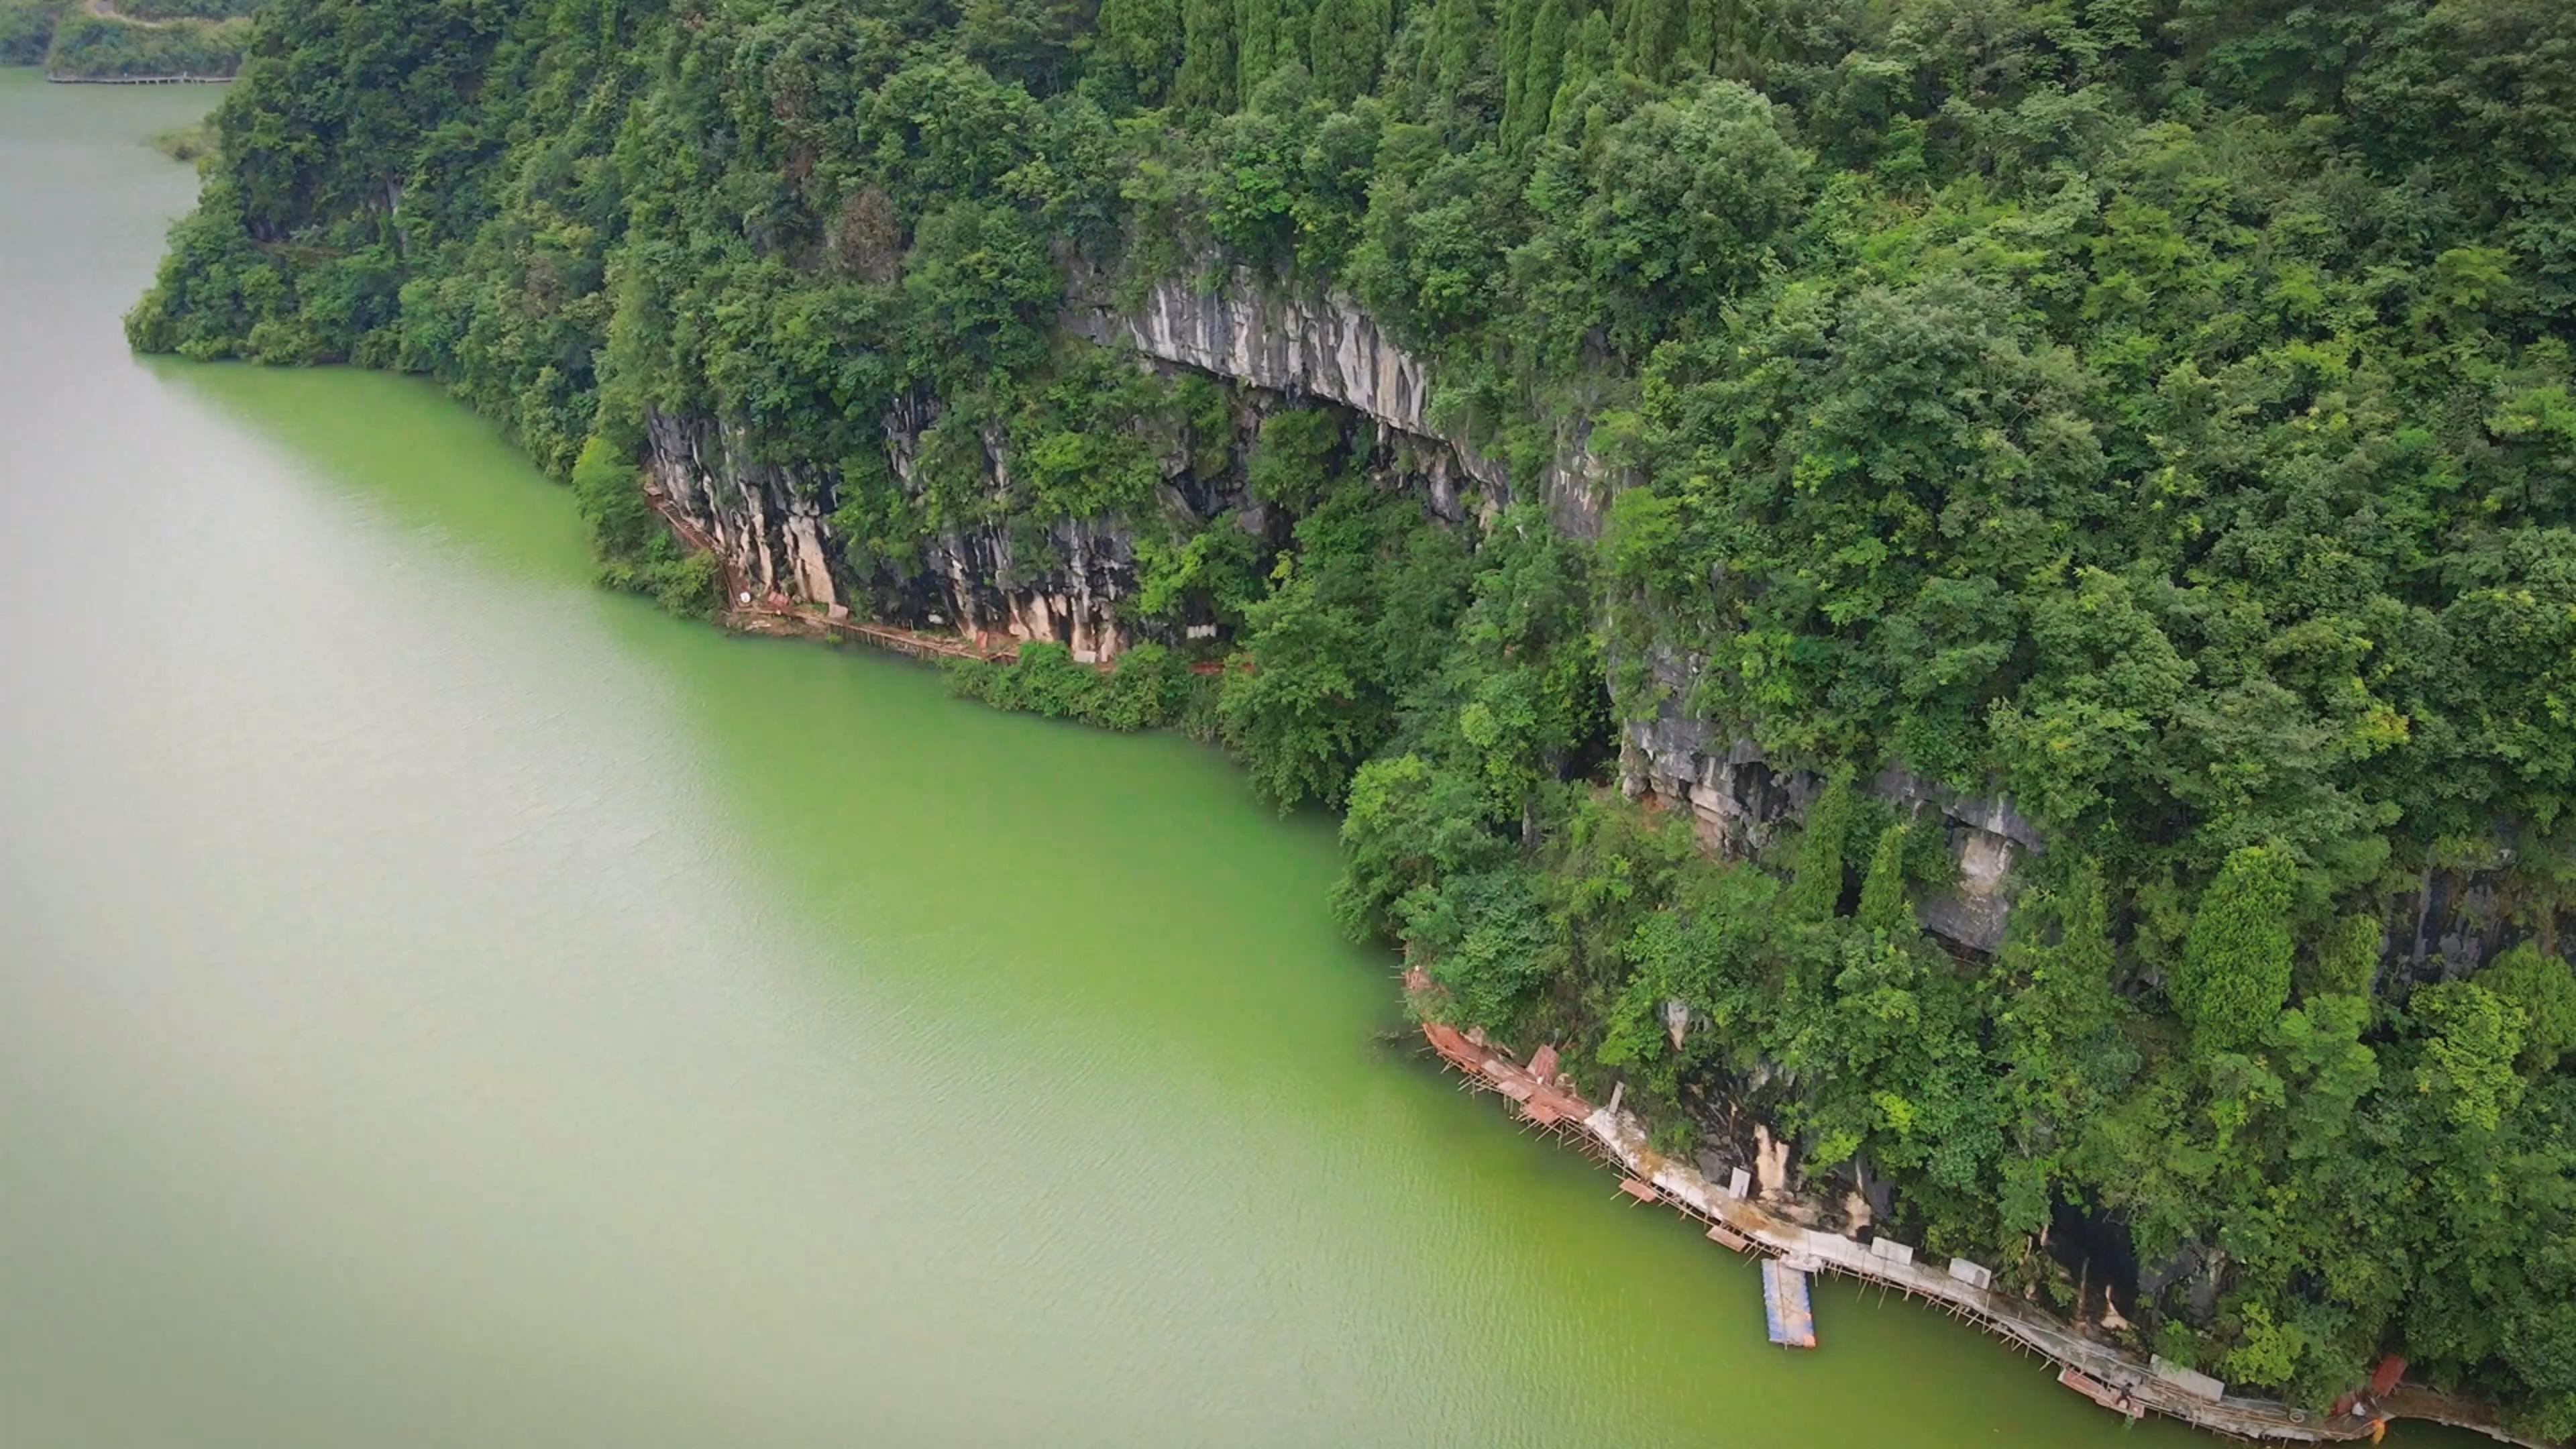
pixel 1792 1319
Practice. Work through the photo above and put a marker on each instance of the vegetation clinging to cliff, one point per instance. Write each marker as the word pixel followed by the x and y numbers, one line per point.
pixel 2156 410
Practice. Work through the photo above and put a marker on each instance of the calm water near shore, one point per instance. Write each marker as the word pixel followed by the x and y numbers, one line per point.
pixel 444 1004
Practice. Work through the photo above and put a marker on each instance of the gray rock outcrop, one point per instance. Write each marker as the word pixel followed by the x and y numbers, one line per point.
pixel 1739 802
pixel 1324 345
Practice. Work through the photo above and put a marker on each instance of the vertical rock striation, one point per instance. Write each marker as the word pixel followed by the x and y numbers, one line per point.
pixel 1325 346
pixel 1739 802
pixel 767 519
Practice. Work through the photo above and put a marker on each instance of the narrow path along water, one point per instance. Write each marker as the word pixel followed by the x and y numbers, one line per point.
pixel 443 1004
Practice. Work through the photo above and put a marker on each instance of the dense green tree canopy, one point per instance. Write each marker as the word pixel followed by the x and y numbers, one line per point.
pixel 133 38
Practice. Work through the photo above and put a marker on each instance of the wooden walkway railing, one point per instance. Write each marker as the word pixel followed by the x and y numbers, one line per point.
pixel 138 80
pixel 909 642
pixel 1745 1226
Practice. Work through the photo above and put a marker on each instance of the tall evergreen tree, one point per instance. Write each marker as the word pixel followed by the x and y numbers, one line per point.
pixel 2235 970
pixel 1592 55
pixel 1516 32
pixel 1261 42
pixel 2059 1038
pixel 1542 66
pixel 1649 32
pixel 1459 32
pixel 1882 890
pixel 1816 879
pixel 1720 36
pixel 1137 51
pixel 1205 81
pixel 1344 42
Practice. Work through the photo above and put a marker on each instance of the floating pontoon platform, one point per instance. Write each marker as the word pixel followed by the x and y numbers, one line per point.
pixel 1785 1307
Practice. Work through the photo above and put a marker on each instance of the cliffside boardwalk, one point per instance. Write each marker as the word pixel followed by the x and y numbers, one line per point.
pixel 2102 1372
pixel 744 606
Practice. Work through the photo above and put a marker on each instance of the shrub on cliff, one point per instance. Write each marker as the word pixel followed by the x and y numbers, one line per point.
pixel 608 491
pixel 2543 988
pixel 1409 827
pixel 1149 687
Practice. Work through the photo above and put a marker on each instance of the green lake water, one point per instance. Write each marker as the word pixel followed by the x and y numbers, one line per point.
pixel 444 1004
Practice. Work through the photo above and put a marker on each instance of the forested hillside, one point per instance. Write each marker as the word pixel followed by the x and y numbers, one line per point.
pixel 76 41
pixel 2154 412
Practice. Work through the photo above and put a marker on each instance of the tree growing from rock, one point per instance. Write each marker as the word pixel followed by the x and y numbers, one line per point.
pixel 2235 970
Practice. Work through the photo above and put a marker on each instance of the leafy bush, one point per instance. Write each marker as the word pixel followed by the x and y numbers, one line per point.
pixel 1148 688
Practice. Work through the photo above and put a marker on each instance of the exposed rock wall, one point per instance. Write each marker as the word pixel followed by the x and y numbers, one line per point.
pixel 772 524
pixel 1739 802
pixel 2456 920
pixel 767 520
pixel 1061 581
pixel 978 582
pixel 1064 582
pixel 1323 345
pixel 772 521
pixel 2453 923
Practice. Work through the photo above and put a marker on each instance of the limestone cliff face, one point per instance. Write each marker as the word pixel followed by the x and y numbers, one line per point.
pixel 2452 923
pixel 1739 802
pixel 772 523
pixel 1061 583
pixel 1322 345
pixel 1065 582
pixel 766 519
